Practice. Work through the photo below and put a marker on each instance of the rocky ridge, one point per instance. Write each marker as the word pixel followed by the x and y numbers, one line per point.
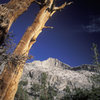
pixel 59 74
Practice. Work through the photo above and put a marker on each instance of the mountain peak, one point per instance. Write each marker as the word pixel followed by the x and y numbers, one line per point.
pixel 59 74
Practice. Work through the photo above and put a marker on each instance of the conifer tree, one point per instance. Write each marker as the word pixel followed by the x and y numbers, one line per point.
pixel 96 54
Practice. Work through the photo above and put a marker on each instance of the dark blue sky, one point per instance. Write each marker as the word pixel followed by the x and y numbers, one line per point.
pixel 75 29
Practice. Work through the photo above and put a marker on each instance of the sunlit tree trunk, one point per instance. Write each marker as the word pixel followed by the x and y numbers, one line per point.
pixel 12 72
pixel 9 13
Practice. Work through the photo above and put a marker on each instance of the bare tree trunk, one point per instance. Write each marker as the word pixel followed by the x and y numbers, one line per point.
pixel 10 77
pixel 9 13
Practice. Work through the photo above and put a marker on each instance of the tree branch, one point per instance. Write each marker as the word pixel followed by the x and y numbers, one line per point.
pixel 9 12
pixel 62 6
pixel 48 27
pixel 39 3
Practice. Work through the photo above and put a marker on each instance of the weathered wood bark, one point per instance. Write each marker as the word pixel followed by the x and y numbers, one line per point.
pixel 9 13
pixel 10 77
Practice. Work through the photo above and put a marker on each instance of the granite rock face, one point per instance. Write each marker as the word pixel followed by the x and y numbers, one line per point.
pixel 59 74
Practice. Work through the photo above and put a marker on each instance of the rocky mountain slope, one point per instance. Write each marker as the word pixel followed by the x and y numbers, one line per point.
pixel 59 75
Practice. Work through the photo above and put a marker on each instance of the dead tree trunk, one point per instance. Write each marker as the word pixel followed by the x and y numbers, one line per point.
pixel 9 13
pixel 10 77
